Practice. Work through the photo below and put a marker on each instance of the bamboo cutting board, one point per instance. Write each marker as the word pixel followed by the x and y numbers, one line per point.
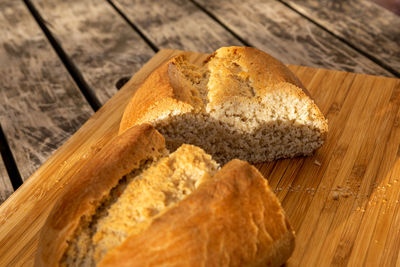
pixel 343 201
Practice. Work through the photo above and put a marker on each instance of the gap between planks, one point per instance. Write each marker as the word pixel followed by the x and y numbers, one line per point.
pixel 366 27
pixel 286 35
pixel 35 121
pixel 9 174
pixel 6 188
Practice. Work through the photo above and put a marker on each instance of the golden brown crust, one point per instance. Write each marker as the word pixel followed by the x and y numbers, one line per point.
pixel 91 184
pixel 233 219
pixel 163 93
pixel 264 71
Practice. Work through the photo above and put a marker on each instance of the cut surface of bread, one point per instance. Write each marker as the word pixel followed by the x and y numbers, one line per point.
pixel 139 197
pixel 241 103
pixel 174 208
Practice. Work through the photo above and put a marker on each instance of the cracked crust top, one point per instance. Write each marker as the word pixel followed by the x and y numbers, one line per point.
pixel 239 74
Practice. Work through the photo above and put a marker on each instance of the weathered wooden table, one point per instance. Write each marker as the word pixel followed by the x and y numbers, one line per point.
pixel 60 61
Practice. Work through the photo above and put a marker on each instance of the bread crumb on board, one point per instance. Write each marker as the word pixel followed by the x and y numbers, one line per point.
pixel 341 192
pixel 316 162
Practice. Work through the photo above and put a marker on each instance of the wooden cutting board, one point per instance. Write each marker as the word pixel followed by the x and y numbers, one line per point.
pixel 343 201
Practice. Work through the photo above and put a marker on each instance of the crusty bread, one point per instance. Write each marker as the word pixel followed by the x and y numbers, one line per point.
pixel 148 193
pixel 91 186
pixel 233 219
pixel 134 204
pixel 241 103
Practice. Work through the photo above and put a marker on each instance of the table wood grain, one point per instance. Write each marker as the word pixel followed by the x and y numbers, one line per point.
pixel 365 25
pixel 41 107
pixel 179 24
pixel 99 42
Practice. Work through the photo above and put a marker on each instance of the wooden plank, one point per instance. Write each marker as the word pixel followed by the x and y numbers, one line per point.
pixel 367 26
pixel 335 199
pixel 40 104
pixel 97 39
pixel 355 167
pixel 280 31
pixel 6 188
pixel 176 24
pixel 391 5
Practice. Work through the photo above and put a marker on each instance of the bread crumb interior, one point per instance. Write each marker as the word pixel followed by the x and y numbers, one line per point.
pixel 136 201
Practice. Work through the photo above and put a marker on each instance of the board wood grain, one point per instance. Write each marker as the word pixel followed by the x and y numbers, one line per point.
pixel 367 26
pixel 98 41
pixel 278 30
pixel 176 24
pixel 40 104
pixel 6 188
pixel 343 201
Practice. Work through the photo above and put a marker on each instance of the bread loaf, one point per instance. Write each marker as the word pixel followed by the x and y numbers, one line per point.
pixel 134 204
pixel 240 103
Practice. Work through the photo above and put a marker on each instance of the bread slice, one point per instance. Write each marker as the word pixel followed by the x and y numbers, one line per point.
pixel 135 204
pixel 240 103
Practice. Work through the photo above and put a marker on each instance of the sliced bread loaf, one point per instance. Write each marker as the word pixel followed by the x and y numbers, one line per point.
pixel 240 103
pixel 134 204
